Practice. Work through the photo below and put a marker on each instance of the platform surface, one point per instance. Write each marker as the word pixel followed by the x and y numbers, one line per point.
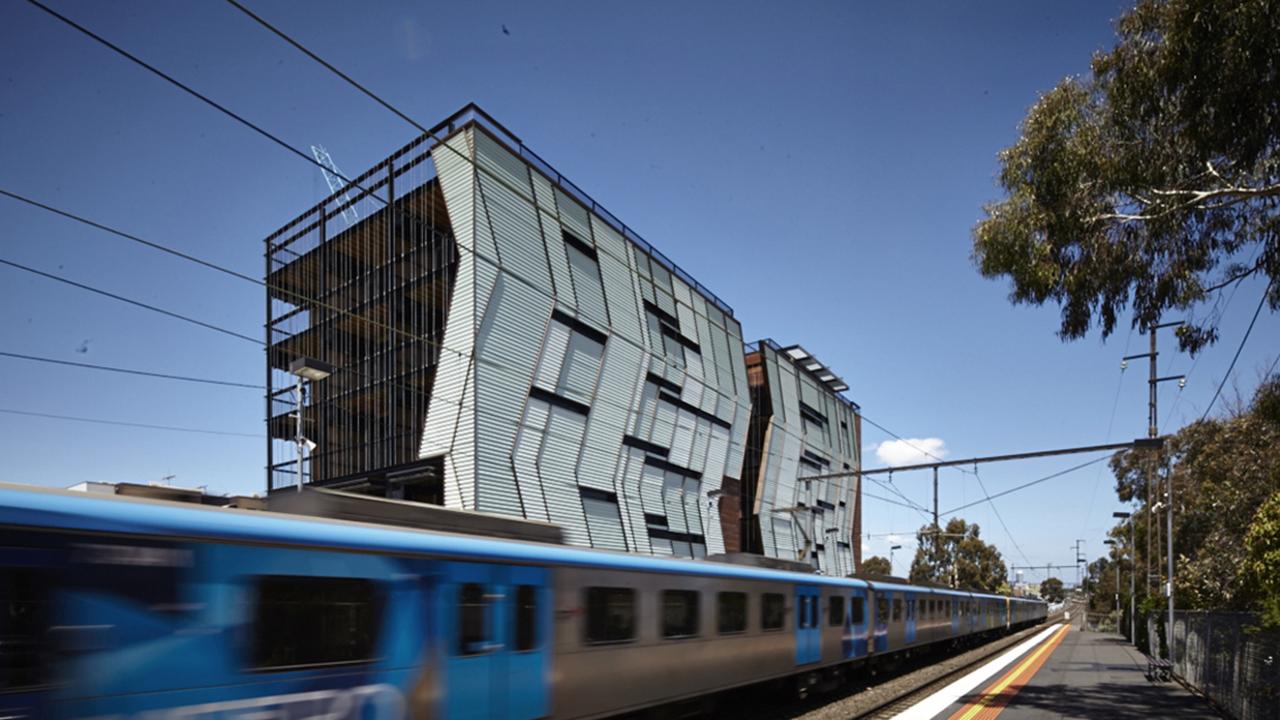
pixel 1072 674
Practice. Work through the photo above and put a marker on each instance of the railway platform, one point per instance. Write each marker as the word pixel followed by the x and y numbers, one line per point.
pixel 1063 672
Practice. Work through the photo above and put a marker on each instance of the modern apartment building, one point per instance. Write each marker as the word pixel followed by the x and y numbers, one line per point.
pixel 801 427
pixel 502 343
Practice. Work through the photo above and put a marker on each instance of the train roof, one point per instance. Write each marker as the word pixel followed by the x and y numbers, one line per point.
pixel 69 510
pixel 74 511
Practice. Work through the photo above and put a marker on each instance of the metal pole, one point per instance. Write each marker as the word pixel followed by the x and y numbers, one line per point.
pixel 1133 554
pixel 1117 588
pixel 1169 554
pixel 298 434
pixel 935 499
pixel 1152 478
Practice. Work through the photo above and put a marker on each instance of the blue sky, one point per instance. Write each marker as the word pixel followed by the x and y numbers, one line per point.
pixel 819 166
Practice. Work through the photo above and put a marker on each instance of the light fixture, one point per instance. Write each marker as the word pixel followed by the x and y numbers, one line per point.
pixel 310 369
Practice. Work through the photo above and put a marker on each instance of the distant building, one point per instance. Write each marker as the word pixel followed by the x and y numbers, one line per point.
pixel 801 426
pixel 502 343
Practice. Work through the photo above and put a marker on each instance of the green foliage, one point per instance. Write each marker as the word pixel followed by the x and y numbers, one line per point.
pixel 876 565
pixel 1053 590
pixel 1226 475
pixel 957 557
pixel 1153 181
pixel 1262 560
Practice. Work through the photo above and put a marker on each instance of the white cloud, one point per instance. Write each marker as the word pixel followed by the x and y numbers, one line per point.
pixel 911 451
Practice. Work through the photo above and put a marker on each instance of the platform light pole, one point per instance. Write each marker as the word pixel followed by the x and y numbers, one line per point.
pixel 891 549
pixel 1114 551
pixel 305 368
pixel 1133 571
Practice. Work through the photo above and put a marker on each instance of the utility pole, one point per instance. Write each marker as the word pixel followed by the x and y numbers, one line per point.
pixel 1153 432
pixel 1133 570
pixel 935 500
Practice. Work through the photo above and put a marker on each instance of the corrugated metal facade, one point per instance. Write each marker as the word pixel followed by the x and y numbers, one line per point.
pixel 801 427
pixel 605 394
pixel 572 373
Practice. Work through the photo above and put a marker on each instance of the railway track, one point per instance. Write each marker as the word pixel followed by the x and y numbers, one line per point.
pixel 888 697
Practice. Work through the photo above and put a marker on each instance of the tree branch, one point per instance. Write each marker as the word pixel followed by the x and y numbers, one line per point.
pixel 1233 194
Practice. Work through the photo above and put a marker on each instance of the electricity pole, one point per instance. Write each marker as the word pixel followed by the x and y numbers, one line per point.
pixel 1153 433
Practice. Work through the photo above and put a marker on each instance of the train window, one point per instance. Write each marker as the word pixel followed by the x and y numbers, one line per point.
pixel 773 611
pixel 911 608
pixel 933 608
pixel 23 603
pixel 812 615
pixel 948 608
pixel 835 611
pixel 897 609
pixel 301 621
pixel 679 613
pixel 611 614
pixel 882 611
pixel 732 612
pixel 473 637
pixel 526 617
pixel 856 610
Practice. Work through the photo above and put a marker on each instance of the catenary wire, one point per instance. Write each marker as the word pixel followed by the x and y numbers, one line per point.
pixel 100 421
pixel 1026 485
pixel 214 266
pixel 130 371
pixel 1261 301
pixel 999 517
pixel 123 299
pixel 221 108
pixel 312 161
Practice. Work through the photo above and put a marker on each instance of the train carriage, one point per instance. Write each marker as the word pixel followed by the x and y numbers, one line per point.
pixel 125 608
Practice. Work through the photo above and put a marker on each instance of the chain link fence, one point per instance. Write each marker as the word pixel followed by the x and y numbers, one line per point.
pixel 1225 656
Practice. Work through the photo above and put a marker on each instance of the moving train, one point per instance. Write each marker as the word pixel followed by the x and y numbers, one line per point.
pixel 114 608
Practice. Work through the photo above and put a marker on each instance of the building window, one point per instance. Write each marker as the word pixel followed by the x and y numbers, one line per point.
pixel 306 621
pixel 732 610
pixel 526 619
pixel 835 611
pixel 679 613
pixel 611 614
pixel 585 269
pixel 773 611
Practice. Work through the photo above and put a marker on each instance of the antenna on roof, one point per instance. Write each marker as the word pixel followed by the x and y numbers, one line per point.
pixel 333 176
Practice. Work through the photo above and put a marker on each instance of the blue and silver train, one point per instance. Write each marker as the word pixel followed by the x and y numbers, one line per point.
pixel 124 609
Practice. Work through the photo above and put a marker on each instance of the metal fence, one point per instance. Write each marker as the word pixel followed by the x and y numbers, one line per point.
pixel 1225 656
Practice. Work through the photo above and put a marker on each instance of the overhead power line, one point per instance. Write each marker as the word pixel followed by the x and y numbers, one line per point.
pixel 123 299
pixel 149 426
pixel 310 160
pixel 1261 301
pixel 130 371
pixel 1024 486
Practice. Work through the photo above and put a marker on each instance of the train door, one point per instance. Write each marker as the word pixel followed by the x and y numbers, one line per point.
pixel 881 641
pixel 808 628
pixel 495 627
pixel 855 626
